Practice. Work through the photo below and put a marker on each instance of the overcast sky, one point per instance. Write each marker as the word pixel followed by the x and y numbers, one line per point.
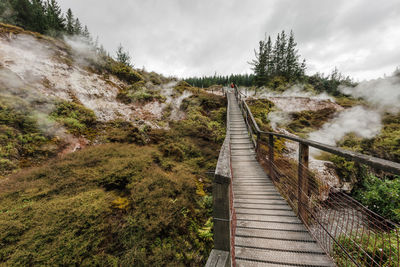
pixel 201 37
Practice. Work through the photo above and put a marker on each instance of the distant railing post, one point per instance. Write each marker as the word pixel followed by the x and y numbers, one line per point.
pixel 271 155
pixel 302 192
pixel 258 142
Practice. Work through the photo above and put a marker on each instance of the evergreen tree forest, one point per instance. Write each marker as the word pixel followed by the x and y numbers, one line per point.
pixel 207 81
pixel 278 59
pixel 41 16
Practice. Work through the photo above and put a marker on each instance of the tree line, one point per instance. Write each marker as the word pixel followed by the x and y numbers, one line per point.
pixel 206 81
pixel 278 59
pixel 45 17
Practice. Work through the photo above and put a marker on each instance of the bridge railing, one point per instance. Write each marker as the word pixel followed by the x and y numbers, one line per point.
pixel 349 232
pixel 224 216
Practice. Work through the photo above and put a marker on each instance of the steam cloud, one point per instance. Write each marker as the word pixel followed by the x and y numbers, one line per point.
pixel 278 118
pixel 296 91
pixel 383 94
pixel 82 50
pixel 359 120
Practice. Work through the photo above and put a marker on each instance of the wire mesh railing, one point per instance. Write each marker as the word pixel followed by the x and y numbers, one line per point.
pixel 349 232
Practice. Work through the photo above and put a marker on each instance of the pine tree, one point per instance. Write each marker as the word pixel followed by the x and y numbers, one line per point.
pixel 282 54
pixel 292 59
pixel 7 13
pixel 86 35
pixel 77 27
pixel 259 65
pixel 38 20
pixel 55 19
pixel 276 55
pixel 269 58
pixel 123 56
pixel 24 13
pixel 302 70
pixel 69 22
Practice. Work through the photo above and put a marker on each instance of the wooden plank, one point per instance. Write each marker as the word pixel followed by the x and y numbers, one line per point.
pixel 282 257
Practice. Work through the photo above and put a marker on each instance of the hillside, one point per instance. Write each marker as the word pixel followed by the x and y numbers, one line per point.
pixel 101 164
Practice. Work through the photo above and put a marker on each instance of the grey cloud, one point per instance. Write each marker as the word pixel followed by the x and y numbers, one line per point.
pixel 188 37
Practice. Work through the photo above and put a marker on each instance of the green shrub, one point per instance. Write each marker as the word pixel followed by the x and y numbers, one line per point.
pixel 373 244
pixel 306 121
pixel 123 72
pixel 386 144
pixel 182 86
pixel 380 195
pixel 260 109
pixel 78 119
pixel 137 92
pixel 121 131
pixel 155 78
pixel 278 83
pixel 22 143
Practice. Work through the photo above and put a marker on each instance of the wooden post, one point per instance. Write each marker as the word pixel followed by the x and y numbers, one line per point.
pixel 302 178
pixel 271 155
pixel 221 214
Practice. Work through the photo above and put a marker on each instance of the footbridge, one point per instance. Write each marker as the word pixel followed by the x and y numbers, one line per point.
pixel 273 211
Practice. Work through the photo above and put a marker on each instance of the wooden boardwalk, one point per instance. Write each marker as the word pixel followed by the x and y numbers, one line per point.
pixel 268 232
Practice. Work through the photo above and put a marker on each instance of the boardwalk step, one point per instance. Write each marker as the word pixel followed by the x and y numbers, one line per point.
pixel 261 206
pixel 282 257
pixel 274 234
pixel 268 218
pixel 269 212
pixel 253 188
pixel 271 225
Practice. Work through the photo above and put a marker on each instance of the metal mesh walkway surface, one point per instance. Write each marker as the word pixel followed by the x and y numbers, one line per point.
pixel 268 232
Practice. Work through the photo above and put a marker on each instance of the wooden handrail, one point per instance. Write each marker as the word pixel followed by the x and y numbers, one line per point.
pixel 379 163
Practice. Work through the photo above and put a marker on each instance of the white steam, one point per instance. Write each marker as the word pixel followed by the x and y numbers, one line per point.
pixel 296 91
pixel 358 120
pixel 278 118
pixel 383 94
pixel 82 50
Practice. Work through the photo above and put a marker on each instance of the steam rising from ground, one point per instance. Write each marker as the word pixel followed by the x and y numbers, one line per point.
pixel 296 91
pixel 82 50
pixel 359 120
pixel 44 69
pixel 17 94
pixel 383 94
pixel 278 118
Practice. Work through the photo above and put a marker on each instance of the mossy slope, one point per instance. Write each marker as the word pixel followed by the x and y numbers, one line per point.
pixel 119 204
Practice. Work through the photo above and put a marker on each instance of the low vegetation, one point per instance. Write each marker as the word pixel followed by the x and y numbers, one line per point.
pixel 22 142
pixel 260 109
pixel 380 250
pixel 306 121
pixel 143 199
pixel 373 188
pixel 138 93
pixel 76 118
